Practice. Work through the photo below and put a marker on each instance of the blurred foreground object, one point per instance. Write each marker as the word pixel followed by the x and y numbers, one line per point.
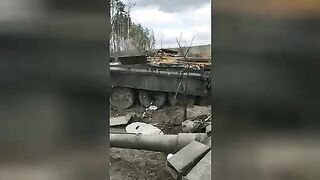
pixel 266 95
pixel 53 89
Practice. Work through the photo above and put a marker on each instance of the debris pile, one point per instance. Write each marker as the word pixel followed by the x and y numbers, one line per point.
pixel 197 125
pixel 171 58
pixel 185 155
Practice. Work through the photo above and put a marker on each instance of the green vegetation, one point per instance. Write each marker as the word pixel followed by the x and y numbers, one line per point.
pixel 126 36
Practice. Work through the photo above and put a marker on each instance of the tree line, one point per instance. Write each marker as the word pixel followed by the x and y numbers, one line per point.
pixel 128 37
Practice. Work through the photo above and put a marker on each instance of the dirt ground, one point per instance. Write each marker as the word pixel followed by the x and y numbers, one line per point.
pixel 128 164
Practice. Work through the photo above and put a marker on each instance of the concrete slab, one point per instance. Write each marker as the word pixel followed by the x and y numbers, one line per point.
pixel 184 160
pixel 120 120
pixel 202 170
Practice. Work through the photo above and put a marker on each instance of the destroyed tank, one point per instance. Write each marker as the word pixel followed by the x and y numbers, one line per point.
pixel 188 154
pixel 158 80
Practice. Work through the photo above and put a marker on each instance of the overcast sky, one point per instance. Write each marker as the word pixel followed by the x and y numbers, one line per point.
pixel 168 18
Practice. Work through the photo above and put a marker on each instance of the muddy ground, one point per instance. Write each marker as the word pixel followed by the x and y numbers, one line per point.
pixel 130 164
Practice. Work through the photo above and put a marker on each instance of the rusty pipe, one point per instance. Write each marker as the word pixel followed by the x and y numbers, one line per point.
pixel 160 143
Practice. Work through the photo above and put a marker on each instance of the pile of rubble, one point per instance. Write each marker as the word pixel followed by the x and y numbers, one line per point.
pixel 170 58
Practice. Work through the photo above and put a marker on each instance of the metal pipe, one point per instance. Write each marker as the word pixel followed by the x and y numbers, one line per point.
pixel 160 143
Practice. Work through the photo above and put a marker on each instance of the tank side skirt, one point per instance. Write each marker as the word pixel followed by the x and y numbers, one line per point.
pixel 155 82
pixel 159 72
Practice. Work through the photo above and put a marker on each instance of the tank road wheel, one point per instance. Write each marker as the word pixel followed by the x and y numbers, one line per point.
pixel 148 98
pixel 122 98
pixel 173 99
pixel 179 99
